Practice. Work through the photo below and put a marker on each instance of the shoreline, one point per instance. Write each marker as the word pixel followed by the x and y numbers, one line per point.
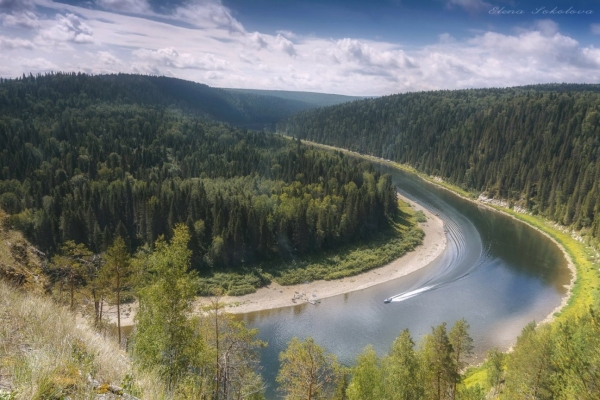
pixel 277 296
pixel 497 208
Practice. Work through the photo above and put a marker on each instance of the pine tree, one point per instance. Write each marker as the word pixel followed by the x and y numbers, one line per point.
pixel 165 339
pixel 307 372
pixel 116 274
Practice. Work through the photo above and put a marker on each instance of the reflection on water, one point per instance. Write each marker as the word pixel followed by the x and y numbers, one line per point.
pixel 497 273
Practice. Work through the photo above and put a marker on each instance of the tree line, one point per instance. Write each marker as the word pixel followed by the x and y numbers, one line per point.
pixel 536 146
pixel 79 170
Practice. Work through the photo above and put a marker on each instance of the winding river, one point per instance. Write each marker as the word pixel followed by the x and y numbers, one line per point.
pixel 496 272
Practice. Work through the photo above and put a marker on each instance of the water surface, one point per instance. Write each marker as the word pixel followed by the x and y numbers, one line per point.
pixel 496 272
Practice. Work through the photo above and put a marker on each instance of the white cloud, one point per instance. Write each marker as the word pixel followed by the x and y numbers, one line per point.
pixel 24 19
pixel 169 57
pixel 547 27
pixel 16 4
pixel 258 41
pixel 10 44
pixel 214 48
pixel 67 28
pixel 287 34
pixel 127 6
pixel 38 64
pixel 595 28
pixel 285 45
pixel 469 5
pixel 208 14
pixel 107 58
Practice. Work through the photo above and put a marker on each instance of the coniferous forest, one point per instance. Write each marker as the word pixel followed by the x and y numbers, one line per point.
pixel 136 186
pixel 78 167
pixel 535 146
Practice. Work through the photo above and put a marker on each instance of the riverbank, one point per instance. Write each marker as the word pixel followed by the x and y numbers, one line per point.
pixel 583 280
pixel 277 296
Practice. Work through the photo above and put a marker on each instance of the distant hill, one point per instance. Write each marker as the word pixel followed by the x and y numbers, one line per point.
pixel 311 99
pixel 252 110
pixel 536 146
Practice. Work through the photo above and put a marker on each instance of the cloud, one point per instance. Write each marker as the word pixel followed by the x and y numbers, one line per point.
pixel 469 5
pixel 258 41
pixel 547 27
pixel 364 54
pixel 287 34
pixel 107 58
pixel 285 45
pixel 24 19
pixel 595 29
pixel 126 6
pixel 37 65
pixel 18 5
pixel 208 14
pixel 169 57
pixel 145 68
pixel 10 44
pixel 67 28
pixel 213 47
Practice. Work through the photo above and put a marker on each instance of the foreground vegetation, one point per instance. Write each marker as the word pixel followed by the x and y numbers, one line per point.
pixel 87 159
pixel 555 361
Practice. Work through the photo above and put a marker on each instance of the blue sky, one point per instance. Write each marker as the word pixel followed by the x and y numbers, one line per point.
pixel 354 47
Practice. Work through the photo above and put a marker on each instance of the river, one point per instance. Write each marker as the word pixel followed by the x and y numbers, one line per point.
pixel 497 273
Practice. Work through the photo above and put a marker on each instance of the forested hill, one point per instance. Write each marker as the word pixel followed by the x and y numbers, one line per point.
pixel 75 169
pixel 51 94
pixel 537 146
pixel 311 99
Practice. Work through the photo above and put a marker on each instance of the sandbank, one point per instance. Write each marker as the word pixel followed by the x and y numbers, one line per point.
pixel 277 296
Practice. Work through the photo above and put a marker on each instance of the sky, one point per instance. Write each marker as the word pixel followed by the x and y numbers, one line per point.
pixel 352 47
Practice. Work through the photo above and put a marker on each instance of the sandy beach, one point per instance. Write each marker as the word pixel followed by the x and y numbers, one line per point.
pixel 277 296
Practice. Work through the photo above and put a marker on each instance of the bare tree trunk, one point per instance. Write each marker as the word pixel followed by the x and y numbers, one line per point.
pixel 119 306
pixel 72 291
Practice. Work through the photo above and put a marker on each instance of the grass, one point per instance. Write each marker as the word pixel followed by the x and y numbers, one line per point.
pixel 403 236
pixel 46 353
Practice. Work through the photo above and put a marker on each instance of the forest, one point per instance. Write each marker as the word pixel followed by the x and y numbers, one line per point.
pixel 133 190
pixel 81 168
pixel 537 147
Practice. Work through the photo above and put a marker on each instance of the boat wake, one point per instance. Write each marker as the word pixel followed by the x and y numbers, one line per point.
pixel 412 293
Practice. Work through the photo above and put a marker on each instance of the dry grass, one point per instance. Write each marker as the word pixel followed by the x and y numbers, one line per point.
pixel 20 262
pixel 46 354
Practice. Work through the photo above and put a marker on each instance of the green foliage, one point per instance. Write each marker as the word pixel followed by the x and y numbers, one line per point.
pixel 403 373
pixel 529 366
pixel 535 146
pixel 420 216
pixel 367 378
pixel 475 392
pixel 116 274
pixel 307 371
pixel 101 165
pixel 165 339
pixel 439 367
pixel 494 365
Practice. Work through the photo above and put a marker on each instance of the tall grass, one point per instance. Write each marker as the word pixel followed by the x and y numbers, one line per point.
pixel 46 352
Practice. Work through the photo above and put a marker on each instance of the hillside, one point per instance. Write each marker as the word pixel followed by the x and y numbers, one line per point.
pixel 310 99
pixel 21 264
pixel 87 159
pixel 535 146
pixel 59 91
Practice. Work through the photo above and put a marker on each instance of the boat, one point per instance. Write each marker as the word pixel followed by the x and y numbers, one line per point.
pixel 388 300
